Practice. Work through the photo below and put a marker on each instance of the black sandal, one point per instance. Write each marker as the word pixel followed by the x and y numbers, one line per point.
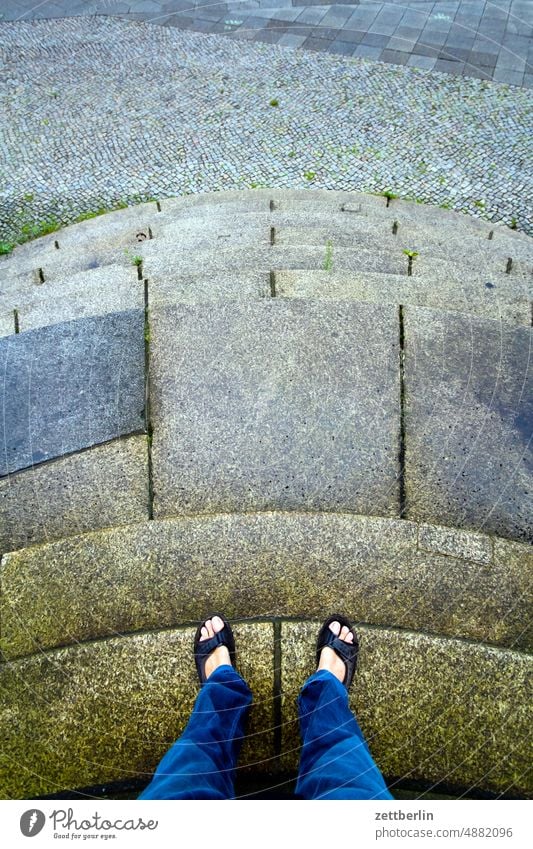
pixel 203 648
pixel 346 651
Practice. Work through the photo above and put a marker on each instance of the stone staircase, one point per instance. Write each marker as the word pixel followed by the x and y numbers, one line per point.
pixel 259 402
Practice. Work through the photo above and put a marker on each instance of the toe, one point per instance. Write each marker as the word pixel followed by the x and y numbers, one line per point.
pixel 349 637
pixel 344 632
pixel 335 627
pixel 209 626
pixel 204 634
pixel 217 623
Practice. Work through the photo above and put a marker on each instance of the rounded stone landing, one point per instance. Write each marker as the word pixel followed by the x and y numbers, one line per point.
pixel 277 404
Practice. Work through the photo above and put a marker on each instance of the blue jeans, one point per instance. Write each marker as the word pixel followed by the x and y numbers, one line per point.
pixel 335 761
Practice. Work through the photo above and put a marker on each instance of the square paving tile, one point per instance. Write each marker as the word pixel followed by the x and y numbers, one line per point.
pixel 343 48
pixel 274 405
pixel 70 386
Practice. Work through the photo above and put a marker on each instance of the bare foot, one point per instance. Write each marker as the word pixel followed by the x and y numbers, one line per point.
pixel 329 659
pixel 220 655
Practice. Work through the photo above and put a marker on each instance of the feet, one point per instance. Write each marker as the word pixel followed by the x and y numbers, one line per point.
pixel 220 655
pixel 329 659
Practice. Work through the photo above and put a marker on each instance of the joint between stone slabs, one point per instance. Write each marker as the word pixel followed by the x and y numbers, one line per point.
pixel 277 693
pixel 401 451
pixel 147 416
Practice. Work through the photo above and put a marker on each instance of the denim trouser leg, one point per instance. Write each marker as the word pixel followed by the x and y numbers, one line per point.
pixel 335 762
pixel 201 763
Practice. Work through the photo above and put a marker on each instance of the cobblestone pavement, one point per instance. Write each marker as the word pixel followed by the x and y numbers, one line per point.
pixel 474 38
pixel 99 110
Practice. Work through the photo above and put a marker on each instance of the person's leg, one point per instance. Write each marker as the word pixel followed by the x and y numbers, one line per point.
pixel 335 762
pixel 201 763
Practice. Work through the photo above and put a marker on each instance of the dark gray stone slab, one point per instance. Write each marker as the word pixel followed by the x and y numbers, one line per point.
pixel 469 423
pixel 275 405
pixel 70 386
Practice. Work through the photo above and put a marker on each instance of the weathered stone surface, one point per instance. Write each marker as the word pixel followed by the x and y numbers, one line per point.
pixel 430 708
pixel 100 291
pixel 274 405
pixel 455 543
pixel 176 288
pixel 7 323
pixel 469 415
pixel 422 290
pixel 109 710
pixel 70 386
pixel 158 574
pixel 102 487
pixel 110 239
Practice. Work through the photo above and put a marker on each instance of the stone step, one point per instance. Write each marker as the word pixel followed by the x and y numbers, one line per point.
pixel 116 237
pixel 499 302
pixel 468 422
pixel 315 226
pixel 98 241
pixel 162 260
pixel 159 574
pixel 7 323
pixel 100 487
pixel 99 291
pixel 274 405
pixel 431 708
pixel 260 408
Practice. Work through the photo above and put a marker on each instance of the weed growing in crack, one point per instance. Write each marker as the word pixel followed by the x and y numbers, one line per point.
pixel 411 256
pixel 328 258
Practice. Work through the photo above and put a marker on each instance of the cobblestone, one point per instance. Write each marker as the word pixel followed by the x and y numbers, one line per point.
pixel 99 110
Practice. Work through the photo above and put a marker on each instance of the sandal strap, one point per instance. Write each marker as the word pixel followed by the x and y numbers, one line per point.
pixel 347 651
pixel 205 647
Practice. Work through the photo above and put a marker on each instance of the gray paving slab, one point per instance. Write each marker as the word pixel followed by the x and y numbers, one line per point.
pixel 255 406
pixel 70 386
pixel 101 487
pixel 468 423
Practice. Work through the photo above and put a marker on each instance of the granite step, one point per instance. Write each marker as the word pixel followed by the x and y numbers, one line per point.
pixel 109 289
pixel 436 709
pixel 419 290
pixel 162 258
pixel 317 226
pixel 159 574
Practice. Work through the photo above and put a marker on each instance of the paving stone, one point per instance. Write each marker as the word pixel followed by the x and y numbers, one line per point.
pixel 239 408
pixel 468 423
pixel 105 486
pixel 70 386
pixel 290 40
pixel 71 717
pixel 89 293
pixel 260 565
pixel 431 708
